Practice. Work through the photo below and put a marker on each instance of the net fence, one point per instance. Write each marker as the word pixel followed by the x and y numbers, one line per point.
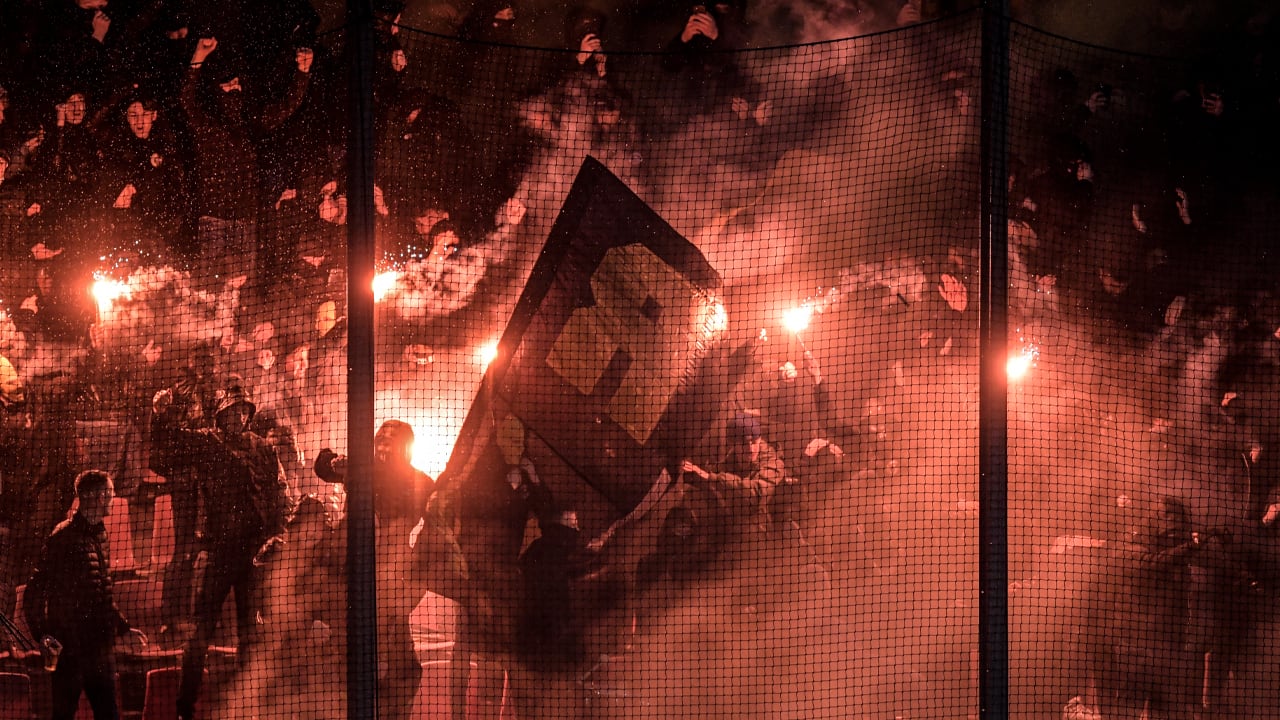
pixel 676 372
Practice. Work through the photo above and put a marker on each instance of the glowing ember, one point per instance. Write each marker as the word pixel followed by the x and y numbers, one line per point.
pixel 106 291
pixel 487 353
pixel 797 319
pixel 384 283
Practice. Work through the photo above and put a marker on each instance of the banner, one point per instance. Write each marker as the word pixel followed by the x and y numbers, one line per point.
pixel 609 338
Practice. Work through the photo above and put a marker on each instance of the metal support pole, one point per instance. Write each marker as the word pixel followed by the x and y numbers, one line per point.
pixel 362 618
pixel 993 430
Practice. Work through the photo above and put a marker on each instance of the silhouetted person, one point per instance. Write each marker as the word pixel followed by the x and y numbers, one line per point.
pixel 246 503
pixel 69 601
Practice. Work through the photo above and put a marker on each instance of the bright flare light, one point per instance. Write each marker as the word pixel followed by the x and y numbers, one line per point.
pixel 432 445
pixel 384 283
pixel 797 319
pixel 106 291
pixel 487 353
pixel 1020 364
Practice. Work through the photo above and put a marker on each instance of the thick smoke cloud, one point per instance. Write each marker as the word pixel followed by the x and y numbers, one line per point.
pixel 846 182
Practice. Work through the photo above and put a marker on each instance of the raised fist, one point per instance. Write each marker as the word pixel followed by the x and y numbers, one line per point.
pixel 161 402
pixel 34 141
pixel 700 23
pixel 151 353
pixel 304 56
pixel 125 199
pixel 101 24
pixel 204 46
pixel 589 46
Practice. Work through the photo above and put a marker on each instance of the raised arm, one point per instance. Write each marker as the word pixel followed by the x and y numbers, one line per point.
pixel 275 114
pixel 190 100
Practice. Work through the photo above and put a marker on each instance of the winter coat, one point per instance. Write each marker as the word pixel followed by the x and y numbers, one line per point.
pixel 70 594
pixel 241 482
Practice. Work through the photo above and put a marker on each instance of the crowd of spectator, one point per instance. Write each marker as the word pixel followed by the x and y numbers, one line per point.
pixel 203 163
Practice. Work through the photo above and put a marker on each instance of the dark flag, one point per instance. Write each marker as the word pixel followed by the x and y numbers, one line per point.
pixel 609 355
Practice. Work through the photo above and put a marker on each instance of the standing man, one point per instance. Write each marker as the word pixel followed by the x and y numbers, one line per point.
pixel 400 494
pixel 226 172
pixel 69 602
pixel 246 503
pixel 192 401
pixel 748 474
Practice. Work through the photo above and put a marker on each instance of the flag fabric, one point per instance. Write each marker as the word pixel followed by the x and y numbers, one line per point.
pixel 606 353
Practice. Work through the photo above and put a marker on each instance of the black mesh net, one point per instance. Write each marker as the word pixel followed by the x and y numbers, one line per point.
pixel 676 372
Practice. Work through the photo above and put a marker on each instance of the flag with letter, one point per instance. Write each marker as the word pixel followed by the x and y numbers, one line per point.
pixel 615 325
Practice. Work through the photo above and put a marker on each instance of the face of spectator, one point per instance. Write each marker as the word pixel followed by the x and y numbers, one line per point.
pixel 4 167
pixel 423 223
pixel 92 4
pixel 233 420
pixel 75 109
pixel 96 504
pixel 4 105
pixel 203 365
pixel 141 119
pixel 749 449
pixel 387 450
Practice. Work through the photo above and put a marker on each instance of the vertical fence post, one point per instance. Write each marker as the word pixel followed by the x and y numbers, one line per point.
pixel 993 431
pixel 362 621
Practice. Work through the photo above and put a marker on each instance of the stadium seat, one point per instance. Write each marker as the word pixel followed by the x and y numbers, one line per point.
pixel 15 696
pixel 160 698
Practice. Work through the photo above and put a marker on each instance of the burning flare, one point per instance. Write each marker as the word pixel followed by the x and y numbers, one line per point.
pixel 1021 363
pixel 797 319
pixel 106 291
pixel 487 354
pixel 384 283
